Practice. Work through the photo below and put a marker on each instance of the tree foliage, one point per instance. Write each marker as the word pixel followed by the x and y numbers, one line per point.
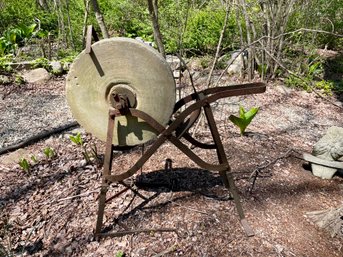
pixel 269 30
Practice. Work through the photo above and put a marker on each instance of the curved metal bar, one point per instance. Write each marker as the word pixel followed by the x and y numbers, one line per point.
pixel 240 89
pixel 164 135
pixel 197 143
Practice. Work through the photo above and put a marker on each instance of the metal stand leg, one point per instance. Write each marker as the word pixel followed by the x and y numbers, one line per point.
pixel 226 175
pixel 101 209
pixel 106 171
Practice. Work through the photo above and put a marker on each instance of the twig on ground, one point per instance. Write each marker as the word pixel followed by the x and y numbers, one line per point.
pixel 75 196
pixel 168 250
pixel 255 173
pixel 136 231
pixel 189 208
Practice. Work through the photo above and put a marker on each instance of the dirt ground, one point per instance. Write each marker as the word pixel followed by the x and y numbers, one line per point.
pixel 51 210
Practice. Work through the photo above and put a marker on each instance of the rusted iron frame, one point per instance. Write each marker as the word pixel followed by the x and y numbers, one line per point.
pixel 202 100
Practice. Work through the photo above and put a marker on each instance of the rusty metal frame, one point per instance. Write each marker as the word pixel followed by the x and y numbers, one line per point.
pixel 173 132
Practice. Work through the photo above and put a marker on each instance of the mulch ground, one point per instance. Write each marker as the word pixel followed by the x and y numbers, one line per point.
pixel 51 210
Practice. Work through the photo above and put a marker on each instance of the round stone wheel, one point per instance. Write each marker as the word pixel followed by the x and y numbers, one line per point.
pixel 120 65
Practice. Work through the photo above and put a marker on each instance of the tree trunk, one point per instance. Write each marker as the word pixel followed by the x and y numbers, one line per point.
pixel 69 26
pixel 43 4
pixel 85 20
pixel 100 19
pixel 153 11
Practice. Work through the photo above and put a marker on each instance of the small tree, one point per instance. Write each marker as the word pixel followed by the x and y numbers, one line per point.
pixel 100 18
pixel 153 11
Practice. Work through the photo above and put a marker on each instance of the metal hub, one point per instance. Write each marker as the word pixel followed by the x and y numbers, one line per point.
pixel 121 91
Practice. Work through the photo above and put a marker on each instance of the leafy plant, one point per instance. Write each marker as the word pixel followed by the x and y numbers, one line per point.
pixel 42 63
pixel 120 254
pixel 34 159
pixel 77 139
pixel 49 152
pixel 16 37
pixel 19 79
pixel 244 119
pixel 326 86
pixel 24 164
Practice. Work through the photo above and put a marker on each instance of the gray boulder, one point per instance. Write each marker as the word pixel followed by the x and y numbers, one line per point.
pixel 39 76
pixel 238 63
pixel 4 80
pixel 56 67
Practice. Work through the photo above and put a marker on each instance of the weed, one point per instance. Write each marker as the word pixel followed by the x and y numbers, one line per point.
pixel 77 139
pixel 120 254
pixel 88 155
pixel 24 164
pixel 42 63
pixel 244 119
pixel 49 152
pixel 34 158
pixel 19 79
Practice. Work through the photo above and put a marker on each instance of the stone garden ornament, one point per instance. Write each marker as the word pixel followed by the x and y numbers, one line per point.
pixel 327 154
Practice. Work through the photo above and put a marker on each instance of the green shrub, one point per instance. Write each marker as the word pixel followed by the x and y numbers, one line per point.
pixel 42 63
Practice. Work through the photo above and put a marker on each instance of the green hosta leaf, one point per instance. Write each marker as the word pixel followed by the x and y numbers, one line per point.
pixel 244 118
pixel 239 122
pixel 251 114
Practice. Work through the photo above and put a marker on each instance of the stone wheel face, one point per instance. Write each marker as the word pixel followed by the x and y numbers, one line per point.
pixel 120 64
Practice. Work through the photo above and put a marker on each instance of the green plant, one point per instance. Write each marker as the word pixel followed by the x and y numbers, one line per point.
pixel 326 86
pixel 34 158
pixel 41 63
pixel 77 139
pixel 49 152
pixel 15 37
pixel 244 119
pixel 120 254
pixel 19 79
pixel 24 164
pixel 4 60
pixel 87 154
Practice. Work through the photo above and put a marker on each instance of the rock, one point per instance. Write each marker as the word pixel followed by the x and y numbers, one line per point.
pixel 195 64
pixel 283 89
pixel 174 62
pixel 152 44
pixel 329 147
pixel 14 157
pixel 176 74
pixel 238 62
pixel 39 76
pixel 56 67
pixel 4 80
pixel 66 66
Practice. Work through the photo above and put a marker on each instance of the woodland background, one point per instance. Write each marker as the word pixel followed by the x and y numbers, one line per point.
pixel 281 37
